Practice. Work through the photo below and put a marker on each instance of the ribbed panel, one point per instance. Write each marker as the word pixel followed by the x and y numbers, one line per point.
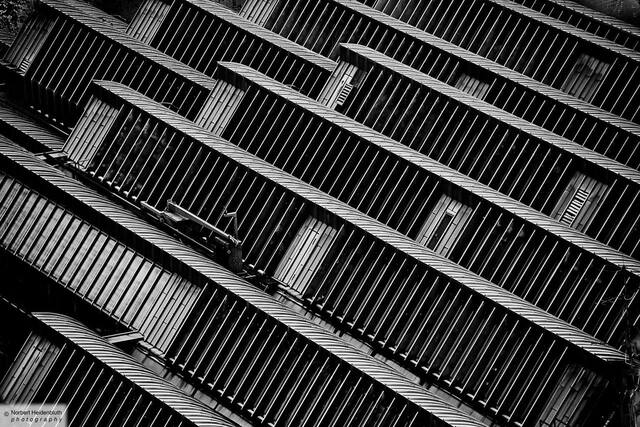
pixel 337 90
pixel 94 395
pixel 529 43
pixel 276 376
pixel 148 20
pixel 101 270
pixel 472 85
pixel 25 48
pixel 362 286
pixel 585 76
pixel 85 139
pixel 578 203
pixel 27 372
pixel 33 135
pixel 499 246
pixel 589 20
pixel 257 11
pixel 305 254
pixel 57 81
pixel 323 25
pixel 442 230
pixel 418 211
pixel 519 160
pixel 428 409
pixel 219 107
pixel 200 33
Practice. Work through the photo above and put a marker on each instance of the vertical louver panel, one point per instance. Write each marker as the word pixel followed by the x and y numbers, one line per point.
pixel 523 162
pixel 303 257
pixel 571 391
pixel 531 44
pixel 350 22
pixel 221 347
pixel 585 77
pixel 100 269
pixel 472 85
pixel 370 287
pixel 83 49
pixel 276 376
pixel 26 47
pixel 339 85
pixel 93 393
pixel 579 201
pixel 28 370
pixel 589 20
pixel 85 138
pixel 219 107
pixel 444 226
pixel 500 246
pixel 451 320
pixel 200 33
pixel 257 11
pixel 148 19
pixel 344 94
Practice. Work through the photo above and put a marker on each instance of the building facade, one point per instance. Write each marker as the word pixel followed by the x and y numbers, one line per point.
pixel 331 213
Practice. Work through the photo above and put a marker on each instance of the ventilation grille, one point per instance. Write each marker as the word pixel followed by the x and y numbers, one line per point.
pixel 344 94
pixel 576 204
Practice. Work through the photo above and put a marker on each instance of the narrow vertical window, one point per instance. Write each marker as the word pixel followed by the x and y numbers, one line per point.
pixel 446 222
pixel 585 77
pixel 579 201
pixel 305 254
